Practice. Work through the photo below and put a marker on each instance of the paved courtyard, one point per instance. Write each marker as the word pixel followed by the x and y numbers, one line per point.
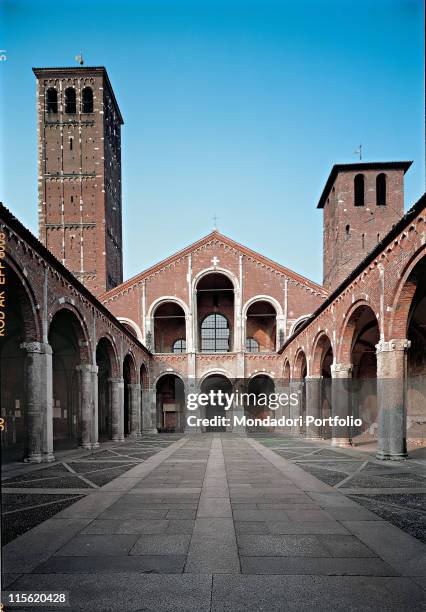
pixel 216 522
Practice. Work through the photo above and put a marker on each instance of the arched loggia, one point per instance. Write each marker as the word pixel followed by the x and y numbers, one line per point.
pixel 129 379
pixel 15 382
pixel 70 355
pixel 170 396
pixel 106 361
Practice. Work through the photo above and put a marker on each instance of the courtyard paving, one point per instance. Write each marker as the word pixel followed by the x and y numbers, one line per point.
pixel 217 522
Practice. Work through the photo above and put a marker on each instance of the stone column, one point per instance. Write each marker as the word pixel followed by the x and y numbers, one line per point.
pixel 87 404
pixel 341 375
pixel 39 401
pixel 95 417
pixel 313 405
pixel 296 386
pixel 237 412
pixel 391 380
pixel 117 409
pixel 191 388
pixel 149 411
pixel 135 410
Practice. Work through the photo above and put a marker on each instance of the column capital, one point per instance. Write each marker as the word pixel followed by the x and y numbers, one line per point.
pixel 87 367
pixel 341 370
pixel 36 347
pixel 119 381
pixel 398 344
pixel 135 386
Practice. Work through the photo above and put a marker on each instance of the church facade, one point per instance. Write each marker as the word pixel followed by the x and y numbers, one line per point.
pixel 89 358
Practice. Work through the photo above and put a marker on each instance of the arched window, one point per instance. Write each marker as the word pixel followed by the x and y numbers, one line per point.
pixel 381 189
pixel 214 334
pixel 359 190
pixel 70 101
pixel 179 346
pixel 52 100
pixel 87 98
pixel 252 345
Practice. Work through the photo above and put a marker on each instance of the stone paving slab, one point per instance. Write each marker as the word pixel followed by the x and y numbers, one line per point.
pixel 325 593
pixel 126 591
pixel 240 529
pixel 322 566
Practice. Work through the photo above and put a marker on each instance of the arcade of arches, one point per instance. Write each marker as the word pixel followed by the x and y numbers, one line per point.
pixel 72 375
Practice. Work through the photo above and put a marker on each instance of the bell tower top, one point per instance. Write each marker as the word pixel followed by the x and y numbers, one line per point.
pixel 361 203
pixel 79 161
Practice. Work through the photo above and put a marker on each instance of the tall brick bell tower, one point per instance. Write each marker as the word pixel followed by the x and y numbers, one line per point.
pixel 79 185
pixel 361 204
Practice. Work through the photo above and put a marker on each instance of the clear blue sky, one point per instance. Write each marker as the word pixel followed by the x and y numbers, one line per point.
pixel 238 107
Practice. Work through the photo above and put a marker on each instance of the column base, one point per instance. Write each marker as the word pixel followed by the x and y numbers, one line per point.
pixel 382 456
pixel 119 439
pixel 150 431
pixel 34 459
pixel 96 445
pixel 313 438
pixel 135 434
pixel 341 442
pixel 87 446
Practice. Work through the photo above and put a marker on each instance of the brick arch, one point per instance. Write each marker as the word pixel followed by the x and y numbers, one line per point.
pixel 320 346
pixel 112 353
pixel 348 329
pixel 163 300
pixel 129 363
pixel 286 371
pixel 218 270
pixel 78 326
pixel 403 297
pixel 131 326
pixel 167 373
pixel 297 323
pixel 263 298
pixel 144 375
pixel 300 364
pixel 26 303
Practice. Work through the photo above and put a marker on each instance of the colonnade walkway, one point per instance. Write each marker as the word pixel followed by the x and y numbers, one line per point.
pixel 219 522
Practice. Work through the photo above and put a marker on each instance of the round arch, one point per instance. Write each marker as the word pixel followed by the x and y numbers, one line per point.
pixel 262 373
pixel 111 349
pixel 224 303
pixel 296 324
pixel 261 324
pixel 129 362
pixel 21 332
pixel 216 270
pixel 263 298
pixel 67 305
pixel 216 372
pixel 348 329
pixel 321 346
pixel 166 298
pixel 167 373
pixel 133 327
pixel 403 297
pixel 300 364
pixel 286 372
pixel 30 313
pixel 170 402
pixel 68 338
pixel 169 325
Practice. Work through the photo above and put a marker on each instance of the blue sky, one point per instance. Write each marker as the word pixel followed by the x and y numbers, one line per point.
pixel 233 107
